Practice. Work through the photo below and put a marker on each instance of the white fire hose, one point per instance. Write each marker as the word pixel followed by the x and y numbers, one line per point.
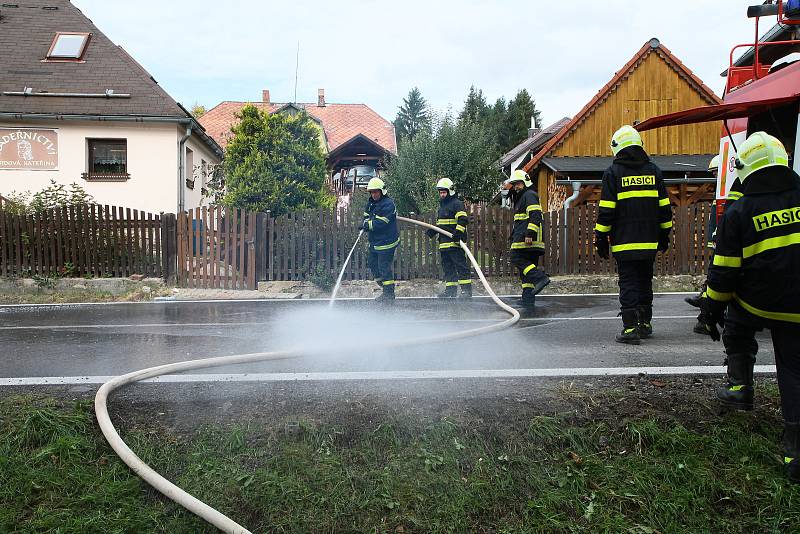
pixel 191 503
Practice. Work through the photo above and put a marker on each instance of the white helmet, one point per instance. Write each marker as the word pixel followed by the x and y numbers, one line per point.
pixel 376 184
pixel 446 183
pixel 520 176
pixel 625 137
pixel 714 163
pixel 760 151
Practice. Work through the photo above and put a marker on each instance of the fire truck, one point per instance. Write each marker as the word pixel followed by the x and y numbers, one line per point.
pixel 762 92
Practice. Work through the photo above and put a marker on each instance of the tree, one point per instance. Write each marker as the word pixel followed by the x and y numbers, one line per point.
pixel 198 110
pixel 273 162
pixel 461 150
pixel 413 116
pixel 498 123
pixel 475 107
pixel 520 111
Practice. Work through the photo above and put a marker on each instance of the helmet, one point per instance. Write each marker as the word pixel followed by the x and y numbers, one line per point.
pixel 759 151
pixel 520 176
pixel 446 183
pixel 625 137
pixel 714 163
pixel 376 184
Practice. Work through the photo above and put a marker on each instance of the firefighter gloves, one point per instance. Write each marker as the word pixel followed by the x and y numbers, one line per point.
pixel 712 313
pixel 602 245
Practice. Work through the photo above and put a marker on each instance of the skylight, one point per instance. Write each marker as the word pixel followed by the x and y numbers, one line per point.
pixel 67 45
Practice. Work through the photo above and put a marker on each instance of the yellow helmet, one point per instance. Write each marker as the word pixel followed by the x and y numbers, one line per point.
pixel 760 151
pixel 714 163
pixel 446 183
pixel 520 176
pixel 625 137
pixel 376 184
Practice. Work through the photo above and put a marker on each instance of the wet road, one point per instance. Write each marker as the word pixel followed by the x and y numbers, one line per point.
pixel 563 332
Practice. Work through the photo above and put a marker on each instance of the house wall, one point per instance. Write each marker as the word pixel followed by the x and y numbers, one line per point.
pixel 652 89
pixel 201 152
pixel 152 161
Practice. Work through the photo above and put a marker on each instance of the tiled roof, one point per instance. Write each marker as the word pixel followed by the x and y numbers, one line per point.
pixel 341 122
pixel 26 33
pixel 534 142
pixel 652 46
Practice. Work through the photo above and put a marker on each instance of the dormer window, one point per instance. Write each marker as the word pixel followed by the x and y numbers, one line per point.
pixel 68 45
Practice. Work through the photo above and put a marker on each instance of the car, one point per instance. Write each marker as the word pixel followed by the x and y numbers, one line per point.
pixel 360 175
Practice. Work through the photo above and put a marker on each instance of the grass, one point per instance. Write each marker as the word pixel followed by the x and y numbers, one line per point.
pixel 642 475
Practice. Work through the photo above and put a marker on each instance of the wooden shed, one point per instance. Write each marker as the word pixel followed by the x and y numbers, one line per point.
pixel 653 82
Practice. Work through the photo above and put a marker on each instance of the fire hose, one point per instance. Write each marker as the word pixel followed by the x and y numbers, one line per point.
pixel 185 499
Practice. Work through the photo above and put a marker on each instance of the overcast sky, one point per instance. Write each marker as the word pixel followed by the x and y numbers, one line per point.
pixel 373 52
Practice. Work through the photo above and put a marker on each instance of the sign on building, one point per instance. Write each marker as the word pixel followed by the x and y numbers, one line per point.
pixel 28 149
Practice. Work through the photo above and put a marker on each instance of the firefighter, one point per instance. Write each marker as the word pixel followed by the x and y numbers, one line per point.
pixel 452 218
pixel 527 244
pixel 633 224
pixel 380 223
pixel 754 276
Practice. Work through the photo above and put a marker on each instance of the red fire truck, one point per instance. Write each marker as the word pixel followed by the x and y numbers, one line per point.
pixel 761 94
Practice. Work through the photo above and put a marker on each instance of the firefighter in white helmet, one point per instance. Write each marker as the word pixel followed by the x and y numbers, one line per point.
pixel 380 221
pixel 527 239
pixel 452 217
pixel 754 276
pixel 633 223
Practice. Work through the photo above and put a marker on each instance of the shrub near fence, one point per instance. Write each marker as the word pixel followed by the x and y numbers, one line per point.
pixel 300 241
pixel 82 240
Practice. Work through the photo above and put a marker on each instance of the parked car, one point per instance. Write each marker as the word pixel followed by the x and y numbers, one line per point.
pixel 360 175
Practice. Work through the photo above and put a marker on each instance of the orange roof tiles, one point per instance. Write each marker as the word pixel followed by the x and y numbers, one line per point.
pixel 341 122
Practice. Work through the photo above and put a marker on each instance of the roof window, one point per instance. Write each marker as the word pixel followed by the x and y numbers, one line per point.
pixel 68 45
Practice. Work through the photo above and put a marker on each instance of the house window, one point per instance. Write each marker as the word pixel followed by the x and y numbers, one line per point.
pixel 108 160
pixel 189 168
pixel 68 45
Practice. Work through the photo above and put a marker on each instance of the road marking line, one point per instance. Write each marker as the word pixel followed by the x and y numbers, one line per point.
pixel 392 375
pixel 220 325
pixel 257 300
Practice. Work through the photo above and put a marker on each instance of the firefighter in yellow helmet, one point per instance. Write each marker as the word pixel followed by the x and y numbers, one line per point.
pixel 754 275
pixel 380 223
pixel 452 217
pixel 527 240
pixel 633 224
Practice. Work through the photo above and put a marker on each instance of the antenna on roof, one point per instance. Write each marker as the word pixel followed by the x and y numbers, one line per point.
pixel 296 68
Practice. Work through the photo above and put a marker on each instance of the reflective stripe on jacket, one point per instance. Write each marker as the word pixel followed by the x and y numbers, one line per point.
pixel 634 207
pixel 451 217
pixel 527 221
pixel 381 217
pixel 757 256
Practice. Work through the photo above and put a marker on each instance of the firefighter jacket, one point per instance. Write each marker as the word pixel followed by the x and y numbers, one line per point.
pixel 734 194
pixel 527 221
pixel 381 220
pixel 452 218
pixel 757 257
pixel 634 206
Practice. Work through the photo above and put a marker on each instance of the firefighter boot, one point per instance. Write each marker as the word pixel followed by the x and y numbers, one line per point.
pixel 738 394
pixel 694 300
pixel 791 451
pixel 528 299
pixel 450 292
pixel 645 326
pixel 541 282
pixel 630 327
pixel 387 297
pixel 466 291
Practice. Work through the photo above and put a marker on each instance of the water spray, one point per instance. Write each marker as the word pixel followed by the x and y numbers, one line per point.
pixel 341 273
pixel 185 499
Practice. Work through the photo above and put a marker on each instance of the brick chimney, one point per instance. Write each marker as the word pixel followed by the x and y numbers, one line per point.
pixel 265 96
pixel 321 98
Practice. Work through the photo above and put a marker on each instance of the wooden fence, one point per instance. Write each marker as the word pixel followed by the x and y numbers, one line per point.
pixel 216 248
pixel 304 244
pixel 86 240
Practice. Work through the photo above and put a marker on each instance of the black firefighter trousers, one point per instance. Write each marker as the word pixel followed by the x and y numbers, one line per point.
pixel 381 263
pixel 526 260
pixel 455 268
pixel 739 338
pixel 635 283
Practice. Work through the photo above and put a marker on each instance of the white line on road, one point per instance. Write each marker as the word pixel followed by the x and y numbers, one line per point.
pixel 390 375
pixel 177 325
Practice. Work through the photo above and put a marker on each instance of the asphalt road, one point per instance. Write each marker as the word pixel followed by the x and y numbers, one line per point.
pixel 564 332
